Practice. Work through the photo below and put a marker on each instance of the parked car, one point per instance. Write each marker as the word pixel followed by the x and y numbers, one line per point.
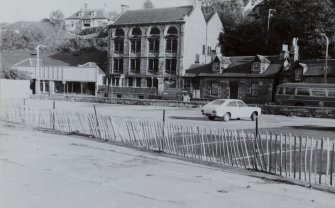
pixel 306 94
pixel 229 108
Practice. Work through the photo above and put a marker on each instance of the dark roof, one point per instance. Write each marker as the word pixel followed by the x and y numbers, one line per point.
pixel 53 58
pixel 314 67
pixel 240 67
pixel 100 14
pixel 160 15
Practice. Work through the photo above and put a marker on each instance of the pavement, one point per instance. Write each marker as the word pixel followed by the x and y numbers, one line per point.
pixel 43 169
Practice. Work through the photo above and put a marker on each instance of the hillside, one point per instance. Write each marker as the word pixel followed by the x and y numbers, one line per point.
pixel 25 36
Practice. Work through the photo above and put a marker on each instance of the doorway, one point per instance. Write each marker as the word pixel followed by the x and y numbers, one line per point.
pixel 234 90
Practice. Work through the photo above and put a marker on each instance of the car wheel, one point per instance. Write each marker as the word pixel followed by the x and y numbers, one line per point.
pixel 253 116
pixel 211 118
pixel 226 117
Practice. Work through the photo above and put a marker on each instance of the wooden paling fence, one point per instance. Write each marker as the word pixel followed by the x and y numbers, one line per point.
pixel 309 160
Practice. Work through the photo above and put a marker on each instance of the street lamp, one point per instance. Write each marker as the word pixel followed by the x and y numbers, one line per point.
pixel 268 28
pixel 38 91
pixel 326 62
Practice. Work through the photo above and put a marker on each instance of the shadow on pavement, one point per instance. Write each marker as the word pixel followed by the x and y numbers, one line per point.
pixel 310 127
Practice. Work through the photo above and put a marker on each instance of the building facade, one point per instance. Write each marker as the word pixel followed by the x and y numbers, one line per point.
pixel 250 78
pixel 87 18
pixel 153 48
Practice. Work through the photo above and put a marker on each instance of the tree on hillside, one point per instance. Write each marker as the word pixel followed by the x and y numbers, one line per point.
pixel 148 5
pixel 56 19
pixel 304 19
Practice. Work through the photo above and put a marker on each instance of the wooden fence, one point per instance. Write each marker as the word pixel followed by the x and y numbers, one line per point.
pixel 310 160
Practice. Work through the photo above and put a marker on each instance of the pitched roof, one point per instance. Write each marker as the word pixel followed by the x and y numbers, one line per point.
pixel 314 67
pixel 240 67
pixel 99 14
pixel 159 15
pixel 53 58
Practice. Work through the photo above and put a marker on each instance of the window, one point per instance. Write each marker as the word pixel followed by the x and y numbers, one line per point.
pixel 216 66
pixel 153 65
pixel 218 102
pixel 135 45
pixel 255 89
pixel 118 66
pixel 232 104
pixel 241 104
pixel 280 91
pixel 135 65
pixel 130 81
pixel 319 92
pixel 149 82
pixel 171 45
pixel 138 82
pixel 290 91
pixel 331 93
pixel 87 23
pixel 118 46
pixel 171 66
pixel 92 14
pixel 298 74
pixel 256 67
pixel 153 45
pixel 215 89
pixel 303 91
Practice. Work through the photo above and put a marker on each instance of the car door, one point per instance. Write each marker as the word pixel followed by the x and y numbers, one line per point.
pixel 243 109
pixel 232 108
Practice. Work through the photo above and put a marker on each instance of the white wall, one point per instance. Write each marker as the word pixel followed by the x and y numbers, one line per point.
pixel 214 28
pixel 194 38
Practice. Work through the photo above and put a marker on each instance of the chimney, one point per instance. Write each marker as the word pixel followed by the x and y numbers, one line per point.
pixel 124 8
pixel 294 53
pixel 284 52
pixel 85 6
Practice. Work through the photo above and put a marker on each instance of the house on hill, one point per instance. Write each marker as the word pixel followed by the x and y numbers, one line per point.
pixel 87 18
pixel 151 49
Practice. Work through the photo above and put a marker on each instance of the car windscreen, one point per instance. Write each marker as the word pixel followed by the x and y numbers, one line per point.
pixel 218 102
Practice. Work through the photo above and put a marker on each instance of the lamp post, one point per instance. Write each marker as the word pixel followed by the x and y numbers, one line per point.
pixel 268 28
pixel 38 91
pixel 326 62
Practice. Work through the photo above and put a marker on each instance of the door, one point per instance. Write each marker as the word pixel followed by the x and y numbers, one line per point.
pixel 233 90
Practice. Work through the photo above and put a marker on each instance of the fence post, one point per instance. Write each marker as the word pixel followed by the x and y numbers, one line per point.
pixel 321 155
pixel 163 131
pixel 53 115
pixel 331 165
pixel 96 117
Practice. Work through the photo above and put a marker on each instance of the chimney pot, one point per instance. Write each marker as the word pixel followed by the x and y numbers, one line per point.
pixel 124 8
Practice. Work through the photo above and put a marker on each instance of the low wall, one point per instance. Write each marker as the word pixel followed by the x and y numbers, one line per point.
pixel 316 112
pixel 124 101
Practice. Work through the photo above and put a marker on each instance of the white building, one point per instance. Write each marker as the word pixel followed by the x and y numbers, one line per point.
pixel 152 48
pixel 87 18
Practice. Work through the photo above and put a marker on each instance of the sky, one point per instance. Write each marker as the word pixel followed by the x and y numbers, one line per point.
pixel 35 10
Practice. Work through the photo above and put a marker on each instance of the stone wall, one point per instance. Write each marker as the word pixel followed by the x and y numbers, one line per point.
pixel 316 112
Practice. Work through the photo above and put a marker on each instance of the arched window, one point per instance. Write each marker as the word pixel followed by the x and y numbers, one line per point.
pixel 119 41
pixel 135 40
pixel 172 40
pixel 154 40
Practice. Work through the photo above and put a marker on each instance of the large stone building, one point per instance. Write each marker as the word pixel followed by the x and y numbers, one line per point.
pixel 87 18
pixel 151 49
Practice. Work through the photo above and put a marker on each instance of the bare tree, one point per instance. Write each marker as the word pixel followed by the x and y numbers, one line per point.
pixel 56 19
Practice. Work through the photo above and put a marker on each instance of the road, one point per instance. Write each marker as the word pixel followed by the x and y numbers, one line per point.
pixel 312 127
pixel 39 170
